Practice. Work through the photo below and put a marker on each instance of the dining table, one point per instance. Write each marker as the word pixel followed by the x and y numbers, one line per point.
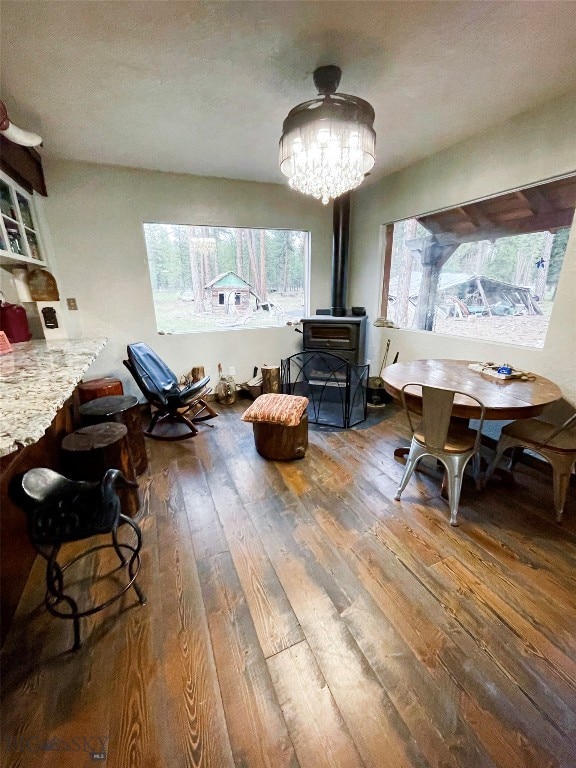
pixel 504 399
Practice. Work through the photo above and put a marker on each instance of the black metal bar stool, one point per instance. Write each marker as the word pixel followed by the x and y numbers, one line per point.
pixel 123 409
pixel 60 510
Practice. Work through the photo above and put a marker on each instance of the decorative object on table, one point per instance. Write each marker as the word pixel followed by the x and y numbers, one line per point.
pixel 60 510
pixel 375 392
pixel 556 444
pixel 503 372
pixel 14 322
pixel 438 435
pixel 4 344
pixel 42 285
pixel 280 426
pixel 172 405
pixel 328 144
pixel 225 390
pixel 271 379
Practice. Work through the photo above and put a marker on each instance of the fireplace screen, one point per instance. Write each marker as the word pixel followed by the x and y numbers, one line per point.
pixel 335 387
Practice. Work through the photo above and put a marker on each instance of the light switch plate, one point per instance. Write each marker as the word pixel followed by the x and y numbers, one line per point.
pixel 71 303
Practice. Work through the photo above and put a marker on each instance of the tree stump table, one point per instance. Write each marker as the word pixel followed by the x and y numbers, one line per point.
pixel 89 451
pixel 103 387
pixel 280 426
pixel 123 409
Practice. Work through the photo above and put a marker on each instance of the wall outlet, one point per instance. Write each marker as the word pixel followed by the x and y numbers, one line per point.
pixel 232 370
pixel 71 303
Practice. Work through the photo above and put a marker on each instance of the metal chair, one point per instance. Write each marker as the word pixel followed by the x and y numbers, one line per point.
pixel 556 444
pixel 449 441
pixel 160 387
pixel 60 510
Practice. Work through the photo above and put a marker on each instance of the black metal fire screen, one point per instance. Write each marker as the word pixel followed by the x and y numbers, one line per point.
pixel 335 387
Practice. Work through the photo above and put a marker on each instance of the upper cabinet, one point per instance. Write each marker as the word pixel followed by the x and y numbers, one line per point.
pixel 20 241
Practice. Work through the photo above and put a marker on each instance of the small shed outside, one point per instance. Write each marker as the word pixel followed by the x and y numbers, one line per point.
pixel 228 292
pixel 461 295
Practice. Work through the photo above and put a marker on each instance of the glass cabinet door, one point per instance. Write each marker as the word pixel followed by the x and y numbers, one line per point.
pixel 18 231
pixel 25 211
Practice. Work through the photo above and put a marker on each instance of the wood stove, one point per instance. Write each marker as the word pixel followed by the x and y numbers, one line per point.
pixel 342 336
pixel 331 370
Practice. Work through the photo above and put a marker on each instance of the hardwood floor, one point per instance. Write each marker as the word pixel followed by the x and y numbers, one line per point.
pixel 298 616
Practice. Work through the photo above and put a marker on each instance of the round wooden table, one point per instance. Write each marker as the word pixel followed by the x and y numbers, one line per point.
pixel 503 400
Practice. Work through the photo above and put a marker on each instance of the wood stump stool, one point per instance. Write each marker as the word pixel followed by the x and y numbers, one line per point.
pixel 89 451
pixel 124 409
pixel 93 388
pixel 280 425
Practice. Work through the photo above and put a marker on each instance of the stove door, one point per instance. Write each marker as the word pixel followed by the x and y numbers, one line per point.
pixel 332 337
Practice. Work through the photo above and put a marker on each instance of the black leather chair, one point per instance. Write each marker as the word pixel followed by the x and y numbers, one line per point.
pixel 172 403
pixel 60 510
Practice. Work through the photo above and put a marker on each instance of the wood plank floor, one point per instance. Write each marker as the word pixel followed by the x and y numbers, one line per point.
pixel 298 616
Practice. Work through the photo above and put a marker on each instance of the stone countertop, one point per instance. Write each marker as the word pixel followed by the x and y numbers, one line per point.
pixel 36 379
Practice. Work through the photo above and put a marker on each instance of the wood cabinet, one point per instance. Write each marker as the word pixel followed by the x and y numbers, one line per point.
pixel 16 553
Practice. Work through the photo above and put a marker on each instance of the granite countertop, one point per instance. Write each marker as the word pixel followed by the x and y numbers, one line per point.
pixel 36 379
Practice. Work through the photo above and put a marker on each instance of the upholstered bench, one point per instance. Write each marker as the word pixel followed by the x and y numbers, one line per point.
pixel 280 425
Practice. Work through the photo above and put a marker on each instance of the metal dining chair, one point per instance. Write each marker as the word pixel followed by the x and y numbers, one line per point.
pixel 556 444
pixel 448 440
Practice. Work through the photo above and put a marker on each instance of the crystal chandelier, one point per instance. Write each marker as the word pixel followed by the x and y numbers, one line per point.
pixel 328 143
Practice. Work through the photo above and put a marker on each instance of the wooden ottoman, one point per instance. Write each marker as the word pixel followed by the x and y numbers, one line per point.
pixel 280 425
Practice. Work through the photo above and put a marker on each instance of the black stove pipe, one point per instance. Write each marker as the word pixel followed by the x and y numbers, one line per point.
pixel 341 237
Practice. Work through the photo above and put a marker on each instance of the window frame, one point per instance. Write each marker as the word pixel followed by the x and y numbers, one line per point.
pixel 280 324
pixel 386 248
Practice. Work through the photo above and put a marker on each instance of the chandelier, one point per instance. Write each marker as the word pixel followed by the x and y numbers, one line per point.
pixel 328 143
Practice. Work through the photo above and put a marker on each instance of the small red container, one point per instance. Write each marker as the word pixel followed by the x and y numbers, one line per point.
pixel 14 323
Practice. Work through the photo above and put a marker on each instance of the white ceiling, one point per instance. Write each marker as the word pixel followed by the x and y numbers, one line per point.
pixel 203 87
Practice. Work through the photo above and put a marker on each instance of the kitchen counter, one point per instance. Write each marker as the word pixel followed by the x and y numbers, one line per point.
pixel 36 379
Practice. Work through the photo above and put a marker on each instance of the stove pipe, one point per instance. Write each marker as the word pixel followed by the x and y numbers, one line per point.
pixel 341 236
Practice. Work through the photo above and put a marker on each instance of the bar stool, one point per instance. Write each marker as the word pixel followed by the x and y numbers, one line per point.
pixel 123 409
pixel 90 451
pixel 59 511
pixel 103 387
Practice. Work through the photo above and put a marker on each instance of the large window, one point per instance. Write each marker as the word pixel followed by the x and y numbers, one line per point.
pixel 486 270
pixel 214 278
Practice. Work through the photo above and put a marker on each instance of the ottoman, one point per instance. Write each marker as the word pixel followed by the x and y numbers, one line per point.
pixel 280 425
